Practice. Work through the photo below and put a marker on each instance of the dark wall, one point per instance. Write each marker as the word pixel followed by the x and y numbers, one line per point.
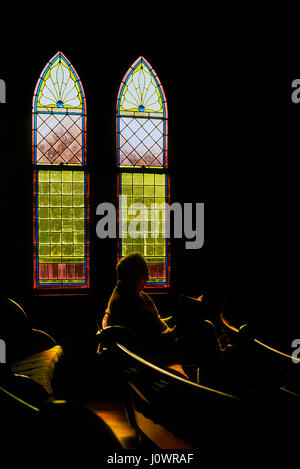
pixel 228 92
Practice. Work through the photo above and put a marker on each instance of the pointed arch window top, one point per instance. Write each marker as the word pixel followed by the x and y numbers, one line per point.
pixel 141 91
pixel 59 87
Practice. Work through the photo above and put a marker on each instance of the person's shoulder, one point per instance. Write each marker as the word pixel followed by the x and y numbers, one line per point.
pixel 145 297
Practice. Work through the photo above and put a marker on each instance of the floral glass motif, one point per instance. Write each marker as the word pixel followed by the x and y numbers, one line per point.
pixel 61 254
pixel 141 149
pixel 59 119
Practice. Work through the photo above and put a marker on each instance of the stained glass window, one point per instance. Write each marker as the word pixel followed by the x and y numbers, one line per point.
pixel 142 162
pixel 61 182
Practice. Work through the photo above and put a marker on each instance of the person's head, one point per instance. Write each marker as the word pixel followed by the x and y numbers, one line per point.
pixel 132 271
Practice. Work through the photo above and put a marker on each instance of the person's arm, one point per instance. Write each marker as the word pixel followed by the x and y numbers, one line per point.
pixel 161 325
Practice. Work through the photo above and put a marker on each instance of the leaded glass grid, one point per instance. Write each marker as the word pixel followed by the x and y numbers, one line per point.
pixel 141 128
pixel 143 220
pixel 61 194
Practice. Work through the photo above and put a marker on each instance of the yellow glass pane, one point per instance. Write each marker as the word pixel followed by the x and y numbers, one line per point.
pixel 159 191
pixel 55 200
pixel 149 191
pixel 79 250
pixel 67 188
pixel 56 250
pixel 43 187
pixel 44 237
pixel 67 201
pixel 160 179
pixel 67 249
pixel 44 249
pixel 43 176
pixel 78 176
pixel 78 188
pixel 67 225
pixel 55 176
pixel 44 225
pixel 55 225
pixel 126 178
pixel 78 212
pixel 67 176
pixel 78 225
pixel 43 212
pixel 43 200
pixel 149 179
pixel 67 212
pixel 79 237
pixel 55 238
pixel 67 237
pixel 137 178
pixel 55 188
pixel 78 201
pixel 55 212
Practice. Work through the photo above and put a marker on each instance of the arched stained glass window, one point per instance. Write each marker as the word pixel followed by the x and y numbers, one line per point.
pixel 143 182
pixel 61 183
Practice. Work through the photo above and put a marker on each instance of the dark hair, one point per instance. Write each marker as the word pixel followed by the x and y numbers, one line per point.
pixel 132 266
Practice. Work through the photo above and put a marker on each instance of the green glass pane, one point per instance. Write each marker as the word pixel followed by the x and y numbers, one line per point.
pixel 67 176
pixel 43 200
pixel 43 176
pixel 67 188
pixel 43 187
pixel 55 212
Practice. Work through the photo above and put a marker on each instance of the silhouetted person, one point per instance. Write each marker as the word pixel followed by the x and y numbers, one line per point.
pixel 132 308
